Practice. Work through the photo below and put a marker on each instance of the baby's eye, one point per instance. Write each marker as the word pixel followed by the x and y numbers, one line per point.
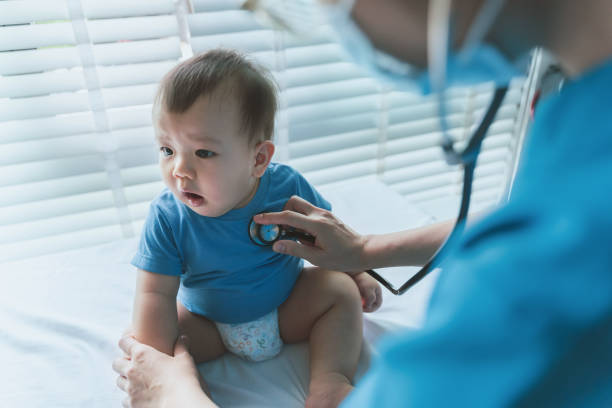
pixel 165 151
pixel 205 154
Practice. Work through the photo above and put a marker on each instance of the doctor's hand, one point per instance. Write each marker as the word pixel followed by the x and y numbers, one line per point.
pixel 336 246
pixel 154 379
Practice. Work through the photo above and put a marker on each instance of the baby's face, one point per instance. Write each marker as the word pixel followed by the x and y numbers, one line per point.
pixel 205 158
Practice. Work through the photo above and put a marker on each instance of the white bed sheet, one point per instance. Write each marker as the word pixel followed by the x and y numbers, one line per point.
pixel 61 317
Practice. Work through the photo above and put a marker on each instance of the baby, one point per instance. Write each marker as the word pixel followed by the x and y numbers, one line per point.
pixel 199 272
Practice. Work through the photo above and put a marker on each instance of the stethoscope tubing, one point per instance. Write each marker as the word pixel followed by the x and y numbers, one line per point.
pixel 468 160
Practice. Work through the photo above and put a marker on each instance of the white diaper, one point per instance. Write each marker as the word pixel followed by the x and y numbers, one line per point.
pixel 254 341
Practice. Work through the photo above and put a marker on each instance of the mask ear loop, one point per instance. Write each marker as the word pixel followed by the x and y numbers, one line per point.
pixel 439 44
pixel 481 25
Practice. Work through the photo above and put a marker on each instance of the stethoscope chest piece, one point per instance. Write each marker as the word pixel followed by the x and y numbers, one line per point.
pixel 266 235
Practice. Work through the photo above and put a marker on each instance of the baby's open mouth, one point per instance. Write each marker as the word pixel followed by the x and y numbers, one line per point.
pixel 195 200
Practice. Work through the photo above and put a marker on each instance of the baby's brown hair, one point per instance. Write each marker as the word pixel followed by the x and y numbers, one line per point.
pixel 201 75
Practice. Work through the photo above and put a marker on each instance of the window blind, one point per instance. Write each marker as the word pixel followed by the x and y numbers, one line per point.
pixel 77 79
pixel 76 83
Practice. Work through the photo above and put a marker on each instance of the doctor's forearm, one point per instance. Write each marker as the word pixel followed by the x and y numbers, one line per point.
pixel 403 248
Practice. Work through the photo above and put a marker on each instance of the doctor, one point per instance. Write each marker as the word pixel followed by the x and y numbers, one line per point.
pixel 522 312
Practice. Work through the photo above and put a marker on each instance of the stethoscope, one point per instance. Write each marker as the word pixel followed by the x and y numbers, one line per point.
pixel 267 235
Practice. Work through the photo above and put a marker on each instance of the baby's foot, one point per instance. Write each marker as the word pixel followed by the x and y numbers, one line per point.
pixel 328 391
pixel 371 294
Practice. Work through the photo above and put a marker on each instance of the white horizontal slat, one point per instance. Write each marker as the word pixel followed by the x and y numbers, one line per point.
pixel 132 52
pixel 329 91
pixel 132 28
pixel 129 116
pixel 129 95
pixel 201 6
pixel 331 109
pixel 133 74
pixel 429 168
pixel 43 128
pixel 50 169
pixel 50 149
pixel 399 159
pixel 339 173
pixel 313 55
pixel 308 148
pixel 49 105
pixel 322 35
pixel 50 189
pixel 30 36
pixel 222 22
pixel 135 137
pixel 137 156
pixel 38 60
pixel 120 8
pixel 335 158
pixel 33 211
pixel 19 86
pixel 134 176
pixel 143 193
pixel 246 42
pixel 319 74
pixel 426 110
pixel 46 59
pixel 315 129
pixel 27 11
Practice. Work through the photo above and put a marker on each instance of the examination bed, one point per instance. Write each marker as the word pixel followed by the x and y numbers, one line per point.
pixel 61 316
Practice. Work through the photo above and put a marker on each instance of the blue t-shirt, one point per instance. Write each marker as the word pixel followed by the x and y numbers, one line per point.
pixel 224 275
pixel 522 312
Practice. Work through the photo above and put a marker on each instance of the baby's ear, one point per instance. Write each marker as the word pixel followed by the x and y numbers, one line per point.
pixel 263 154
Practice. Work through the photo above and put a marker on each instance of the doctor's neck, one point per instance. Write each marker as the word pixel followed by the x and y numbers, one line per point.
pixel 579 33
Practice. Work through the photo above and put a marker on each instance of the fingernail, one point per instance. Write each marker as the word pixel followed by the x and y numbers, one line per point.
pixel 258 216
pixel 280 248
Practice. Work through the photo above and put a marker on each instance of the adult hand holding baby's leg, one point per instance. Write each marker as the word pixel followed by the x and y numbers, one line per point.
pixel 154 379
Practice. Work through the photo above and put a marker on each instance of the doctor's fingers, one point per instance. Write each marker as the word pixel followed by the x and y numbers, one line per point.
pixel 133 349
pixel 122 383
pixel 293 219
pixel 121 366
pixel 127 343
pixel 298 204
pixel 312 254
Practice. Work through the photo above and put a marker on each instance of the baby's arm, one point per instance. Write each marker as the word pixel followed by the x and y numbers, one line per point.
pixel 155 318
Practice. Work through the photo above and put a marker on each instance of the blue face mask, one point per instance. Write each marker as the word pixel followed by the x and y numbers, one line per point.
pixel 476 62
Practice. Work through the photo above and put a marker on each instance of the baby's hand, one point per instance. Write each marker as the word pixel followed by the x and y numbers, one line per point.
pixel 371 294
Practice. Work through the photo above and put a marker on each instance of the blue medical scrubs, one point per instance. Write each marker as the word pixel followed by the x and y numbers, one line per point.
pixel 522 313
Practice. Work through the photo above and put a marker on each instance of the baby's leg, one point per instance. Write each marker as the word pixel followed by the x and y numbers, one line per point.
pixel 325 308
pixel 205 343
